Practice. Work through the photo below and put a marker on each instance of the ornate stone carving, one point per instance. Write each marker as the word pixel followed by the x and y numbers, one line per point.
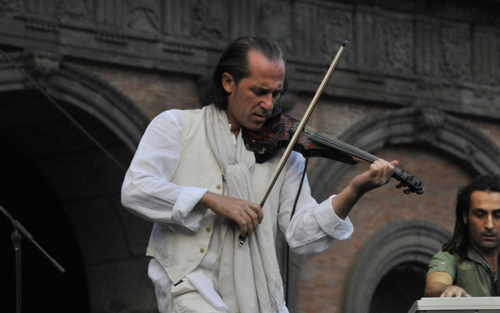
pixel 486 49
pixel 110 12
pixel 177 48
pixel 209 20
pixel 144 15
pixel 393 48
pixel 175 17
pixel 306 41
pixel 398 38
pixel 113 38
pixel 274 21
pixel 487 93
pixel 76 8
pixel 40 67
pixel 370 43
pixel 9 6
pixel 336 27
pixel 454 51
pixel 41 7
pixel 427 122
pixel 42 25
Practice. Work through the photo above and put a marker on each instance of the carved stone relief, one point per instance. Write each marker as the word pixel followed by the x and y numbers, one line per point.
pixel 398 38
pixel 443 50
pixel 110 12
pixel 9 6
pixel 486 55
pixel 426 42
pixel 336 27
pixel 243 18
pixel 448 50
pixel 385 43
pixel 305 29
pixel 454 52
pixel 370 43
pixel 144 15
pixel 76 9
pixel 274 21
pixel 42 7
pixel 175 17
pixel 210 20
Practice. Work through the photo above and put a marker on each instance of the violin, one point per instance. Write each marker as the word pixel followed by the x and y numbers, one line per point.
pixel 277 131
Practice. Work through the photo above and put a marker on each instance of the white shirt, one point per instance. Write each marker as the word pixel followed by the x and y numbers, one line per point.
pixel 311 231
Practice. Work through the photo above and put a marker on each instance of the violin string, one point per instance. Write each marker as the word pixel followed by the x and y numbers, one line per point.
pixel 354 151
pixel 335 143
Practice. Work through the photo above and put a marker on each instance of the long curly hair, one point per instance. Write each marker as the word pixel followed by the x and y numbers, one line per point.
pixel 234 60
pixel 460 241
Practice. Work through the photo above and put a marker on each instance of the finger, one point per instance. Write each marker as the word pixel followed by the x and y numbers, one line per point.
pixel 249 222
pixel 243 226
pixel 379 171
pixel 447 293
pixel 254 218
pixel 260 213
pixel 388 171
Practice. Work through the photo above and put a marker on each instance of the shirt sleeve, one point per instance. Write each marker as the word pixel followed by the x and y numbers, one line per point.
pixel 443 262
pixel 313 226
pixel 147 189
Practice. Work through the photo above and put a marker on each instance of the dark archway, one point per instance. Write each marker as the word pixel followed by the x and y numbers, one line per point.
pixel 65 189
pixel 402 285
pixel 28 197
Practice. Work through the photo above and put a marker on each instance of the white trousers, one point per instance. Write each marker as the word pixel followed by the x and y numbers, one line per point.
pixel 186 299
pixel 183 298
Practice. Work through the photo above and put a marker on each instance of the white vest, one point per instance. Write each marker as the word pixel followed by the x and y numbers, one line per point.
pixel 180 250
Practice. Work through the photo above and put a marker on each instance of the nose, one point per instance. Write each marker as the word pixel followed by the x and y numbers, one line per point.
pixel 489 222
pixel 267 102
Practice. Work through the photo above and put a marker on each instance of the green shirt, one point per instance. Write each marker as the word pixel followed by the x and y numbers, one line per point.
pixel 472 274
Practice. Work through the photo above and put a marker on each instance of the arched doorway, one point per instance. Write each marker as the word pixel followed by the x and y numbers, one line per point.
pixel 396 255
pixel 61 178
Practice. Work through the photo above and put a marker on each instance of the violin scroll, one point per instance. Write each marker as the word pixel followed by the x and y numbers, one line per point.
pixel 408 181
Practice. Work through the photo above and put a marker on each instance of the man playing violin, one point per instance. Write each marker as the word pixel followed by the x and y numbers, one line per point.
pixel 193 177
pixel 468 263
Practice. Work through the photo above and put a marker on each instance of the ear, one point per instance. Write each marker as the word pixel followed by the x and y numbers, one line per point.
pixel 464 217
pixel 227 82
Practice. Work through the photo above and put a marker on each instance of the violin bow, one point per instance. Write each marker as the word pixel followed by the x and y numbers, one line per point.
pixel 301 126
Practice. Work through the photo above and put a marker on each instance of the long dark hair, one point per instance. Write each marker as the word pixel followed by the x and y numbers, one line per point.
pixel 460 242
pixel 234 60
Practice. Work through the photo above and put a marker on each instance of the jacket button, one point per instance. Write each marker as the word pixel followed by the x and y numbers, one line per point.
pixel 209 229
pixel 219 187
pixel 202 250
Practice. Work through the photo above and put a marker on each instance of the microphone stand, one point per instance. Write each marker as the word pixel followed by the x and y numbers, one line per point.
pixel 16 239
